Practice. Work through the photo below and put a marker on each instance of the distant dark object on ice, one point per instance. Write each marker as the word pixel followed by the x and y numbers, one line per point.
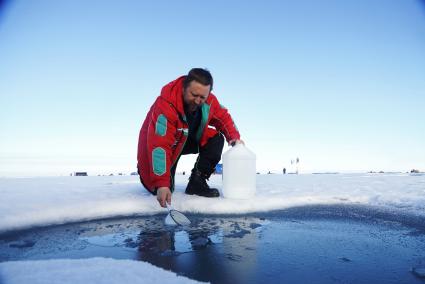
pixel 374 172
pixel 382 172
pixel 415 172
pixel 134 174
pixel 80 174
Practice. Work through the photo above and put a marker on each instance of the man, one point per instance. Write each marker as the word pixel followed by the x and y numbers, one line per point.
pixel 185 119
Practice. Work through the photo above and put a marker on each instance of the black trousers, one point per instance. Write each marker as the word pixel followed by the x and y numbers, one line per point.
pixel 208 158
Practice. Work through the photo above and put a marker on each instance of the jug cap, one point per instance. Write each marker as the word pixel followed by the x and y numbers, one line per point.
pixel 240 151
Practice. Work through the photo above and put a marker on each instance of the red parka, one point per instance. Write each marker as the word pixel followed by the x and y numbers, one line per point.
pixel 165 131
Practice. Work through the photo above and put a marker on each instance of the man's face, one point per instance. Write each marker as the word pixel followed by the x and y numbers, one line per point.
pixel 195 95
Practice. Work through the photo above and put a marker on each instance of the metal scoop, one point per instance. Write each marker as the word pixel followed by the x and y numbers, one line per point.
pixel 178 217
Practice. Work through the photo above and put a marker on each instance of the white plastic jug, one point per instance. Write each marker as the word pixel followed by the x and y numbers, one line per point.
pixel 239 173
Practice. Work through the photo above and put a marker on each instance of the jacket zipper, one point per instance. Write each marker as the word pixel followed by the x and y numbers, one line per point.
pixel 184 142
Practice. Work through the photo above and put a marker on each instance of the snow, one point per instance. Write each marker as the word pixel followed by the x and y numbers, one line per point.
pixel 29 202
pixel 92 270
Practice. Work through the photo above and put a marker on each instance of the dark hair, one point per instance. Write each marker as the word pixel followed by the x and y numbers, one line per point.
pixel 199 75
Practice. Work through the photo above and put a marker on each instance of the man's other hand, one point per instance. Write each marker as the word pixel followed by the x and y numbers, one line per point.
pixel 163 194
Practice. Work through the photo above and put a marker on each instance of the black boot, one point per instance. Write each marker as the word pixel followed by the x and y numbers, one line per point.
pixel 198 185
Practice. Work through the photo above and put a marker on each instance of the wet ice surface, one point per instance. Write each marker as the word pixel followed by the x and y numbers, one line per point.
pixel 320 244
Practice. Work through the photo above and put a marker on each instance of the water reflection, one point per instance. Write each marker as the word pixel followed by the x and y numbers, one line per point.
pixel 212 248
pixel 209 249
pixel 177 241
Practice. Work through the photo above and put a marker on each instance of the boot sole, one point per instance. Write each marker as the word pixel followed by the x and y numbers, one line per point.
pixel 215 196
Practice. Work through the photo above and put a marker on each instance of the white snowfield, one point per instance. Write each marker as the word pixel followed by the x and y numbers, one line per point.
pixel 86 271
pixel 29 202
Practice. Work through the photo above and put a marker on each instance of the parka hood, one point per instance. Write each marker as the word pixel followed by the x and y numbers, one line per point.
pixel 173 94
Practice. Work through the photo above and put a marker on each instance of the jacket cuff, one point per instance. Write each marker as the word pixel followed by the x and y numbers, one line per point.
pixel 235 136
pixel 161 183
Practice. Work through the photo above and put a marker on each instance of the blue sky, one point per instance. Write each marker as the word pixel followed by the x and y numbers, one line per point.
pixel 339 84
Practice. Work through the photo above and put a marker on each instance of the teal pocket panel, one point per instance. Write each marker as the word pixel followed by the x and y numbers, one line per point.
pixel 161 125
pixel 159 161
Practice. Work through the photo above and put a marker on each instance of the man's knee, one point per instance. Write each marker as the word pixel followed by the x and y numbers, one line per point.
pixel 219 137
pixel 215 143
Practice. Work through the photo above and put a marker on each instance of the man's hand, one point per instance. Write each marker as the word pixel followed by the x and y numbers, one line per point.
pixel 235 142
pixel 163 194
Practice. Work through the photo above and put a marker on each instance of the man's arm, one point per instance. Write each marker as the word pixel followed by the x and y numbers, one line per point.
pixel 161 136
pixel 223 122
